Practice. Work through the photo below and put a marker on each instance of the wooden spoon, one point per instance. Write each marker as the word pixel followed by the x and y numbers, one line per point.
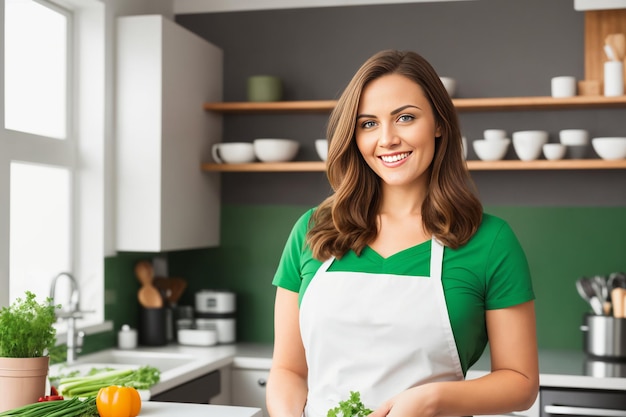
pixel 148 295
pixel 617 43
pixel 618 295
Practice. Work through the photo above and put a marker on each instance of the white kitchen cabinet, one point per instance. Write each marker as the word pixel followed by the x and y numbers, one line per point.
pixel 248 388
pixel 163 75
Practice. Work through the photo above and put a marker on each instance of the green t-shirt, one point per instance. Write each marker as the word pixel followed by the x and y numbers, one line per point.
pixel 487 273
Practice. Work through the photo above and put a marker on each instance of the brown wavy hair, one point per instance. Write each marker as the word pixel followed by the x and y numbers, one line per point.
pixel 346 220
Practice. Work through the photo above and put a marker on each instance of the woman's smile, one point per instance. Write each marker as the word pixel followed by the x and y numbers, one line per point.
pixel 395 159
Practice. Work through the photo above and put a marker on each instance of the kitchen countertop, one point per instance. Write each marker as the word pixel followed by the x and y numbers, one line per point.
pixel 164 409
pixel 558 368
pixel 569 369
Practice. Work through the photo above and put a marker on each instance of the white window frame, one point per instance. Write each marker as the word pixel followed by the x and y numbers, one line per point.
pixel 90 157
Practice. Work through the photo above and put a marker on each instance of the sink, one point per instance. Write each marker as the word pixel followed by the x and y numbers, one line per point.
pixel 119 359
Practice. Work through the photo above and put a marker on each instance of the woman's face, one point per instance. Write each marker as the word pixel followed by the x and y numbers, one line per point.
pixel 396 130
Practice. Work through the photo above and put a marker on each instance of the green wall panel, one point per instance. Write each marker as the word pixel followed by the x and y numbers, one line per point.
pixel 561 243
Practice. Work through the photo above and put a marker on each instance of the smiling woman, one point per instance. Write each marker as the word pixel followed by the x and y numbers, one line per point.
pixel 400 250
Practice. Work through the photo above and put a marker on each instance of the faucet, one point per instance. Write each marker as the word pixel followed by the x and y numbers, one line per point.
pixel 74 339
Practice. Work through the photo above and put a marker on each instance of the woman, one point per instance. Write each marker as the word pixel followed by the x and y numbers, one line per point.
pixel 394 284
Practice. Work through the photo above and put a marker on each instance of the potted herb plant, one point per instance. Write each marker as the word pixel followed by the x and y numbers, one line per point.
pixel 27 335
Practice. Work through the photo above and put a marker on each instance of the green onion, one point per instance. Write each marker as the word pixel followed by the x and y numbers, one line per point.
pixel 74 407
pixel 85 386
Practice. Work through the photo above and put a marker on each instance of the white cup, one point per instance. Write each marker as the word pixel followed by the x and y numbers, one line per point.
pixel 563 86
pixel 613 78
pixel 233 152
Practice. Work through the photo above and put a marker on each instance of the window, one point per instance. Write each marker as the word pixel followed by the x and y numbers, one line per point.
pixel 52 150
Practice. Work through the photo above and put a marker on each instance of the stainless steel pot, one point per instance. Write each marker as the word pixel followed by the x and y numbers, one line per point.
pixel 604 336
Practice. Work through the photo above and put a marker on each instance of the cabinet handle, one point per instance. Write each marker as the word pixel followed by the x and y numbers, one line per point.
pixel 262 382
pixel 583 411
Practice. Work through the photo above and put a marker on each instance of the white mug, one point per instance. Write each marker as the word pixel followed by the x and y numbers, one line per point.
pixel 564 86
pixel 233 152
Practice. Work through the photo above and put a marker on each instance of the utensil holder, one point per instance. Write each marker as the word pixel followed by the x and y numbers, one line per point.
pixel 604 336
pixel 152 326
pixel 613 78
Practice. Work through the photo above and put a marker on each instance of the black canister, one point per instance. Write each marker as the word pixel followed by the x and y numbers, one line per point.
pixel 152 326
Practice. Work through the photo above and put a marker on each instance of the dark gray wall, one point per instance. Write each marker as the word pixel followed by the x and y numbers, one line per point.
pixel 493 48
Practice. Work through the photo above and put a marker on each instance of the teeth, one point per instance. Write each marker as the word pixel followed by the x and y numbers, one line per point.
pixel 395 158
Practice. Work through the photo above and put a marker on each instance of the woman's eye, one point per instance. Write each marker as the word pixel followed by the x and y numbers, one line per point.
pixel 368 124
pixel 406 118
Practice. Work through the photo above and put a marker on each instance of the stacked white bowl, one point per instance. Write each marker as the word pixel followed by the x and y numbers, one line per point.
pixel 529 143
pixel 576 142
pixel 494 145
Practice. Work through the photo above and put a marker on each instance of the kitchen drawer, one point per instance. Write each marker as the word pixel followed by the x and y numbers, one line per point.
pixel 248 388
pixel 556 402
pixel 197 391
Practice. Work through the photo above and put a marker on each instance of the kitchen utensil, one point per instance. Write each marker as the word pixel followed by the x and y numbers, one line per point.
pixel 148 295
pixel 618 298
pixel 610 53
pixel 617 43
pixel 602 290
pixel 172 288
pixel 616 280
pixel 588 293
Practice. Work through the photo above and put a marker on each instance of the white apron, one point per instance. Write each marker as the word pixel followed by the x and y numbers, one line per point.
pixel 378 334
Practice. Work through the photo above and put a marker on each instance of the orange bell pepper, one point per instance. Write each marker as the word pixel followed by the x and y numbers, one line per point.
pixel 115 401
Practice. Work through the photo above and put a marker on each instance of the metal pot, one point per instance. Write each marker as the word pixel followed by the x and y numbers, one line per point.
pixel 604 336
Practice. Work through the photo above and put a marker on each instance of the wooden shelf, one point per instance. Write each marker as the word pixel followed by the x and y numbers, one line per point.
pixel 461 104
pixel 310 106
pixel 505 165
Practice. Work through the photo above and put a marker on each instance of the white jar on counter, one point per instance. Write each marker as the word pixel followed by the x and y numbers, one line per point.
pixel 127 338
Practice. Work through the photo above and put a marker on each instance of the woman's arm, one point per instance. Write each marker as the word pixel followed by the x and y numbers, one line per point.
pixel 512 384
pixel 287 382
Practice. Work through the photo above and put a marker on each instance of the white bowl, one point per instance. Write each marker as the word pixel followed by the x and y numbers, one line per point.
pixel 449 84
pixel 275 150
pixel 574 137
pixel 490 134
pixel 321 146
pixel 197 337
pixel 528 143
pixel 491 150
pixel 233 152
pixel 554 151
pixel 610 148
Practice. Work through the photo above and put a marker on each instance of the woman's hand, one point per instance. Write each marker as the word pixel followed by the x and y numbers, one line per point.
pixel 415 402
